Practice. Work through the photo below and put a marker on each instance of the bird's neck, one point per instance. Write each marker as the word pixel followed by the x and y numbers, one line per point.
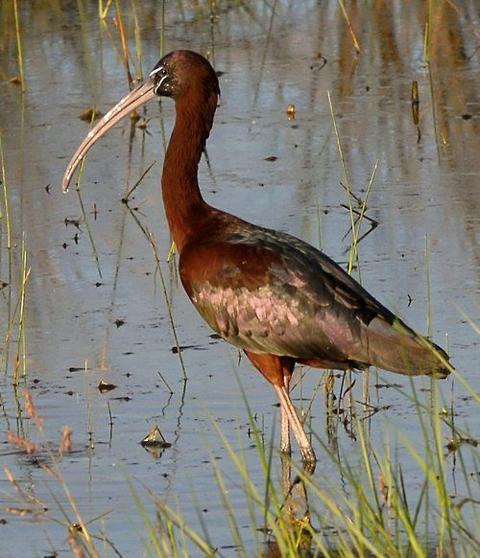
pixel 184 205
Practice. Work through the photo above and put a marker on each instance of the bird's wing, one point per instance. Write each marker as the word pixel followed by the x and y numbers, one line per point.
pixel 268 292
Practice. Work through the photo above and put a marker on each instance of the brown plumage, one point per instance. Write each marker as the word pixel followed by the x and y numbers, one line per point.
pixel 274 296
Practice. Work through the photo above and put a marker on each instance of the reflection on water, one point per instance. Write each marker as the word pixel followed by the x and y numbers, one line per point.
pixel 87 321
pixel 295 513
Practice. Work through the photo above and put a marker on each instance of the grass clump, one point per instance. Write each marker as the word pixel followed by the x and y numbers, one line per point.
pixel 394 497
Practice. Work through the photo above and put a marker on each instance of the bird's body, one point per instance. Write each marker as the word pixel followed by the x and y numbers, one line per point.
pixel 270 293
pixel 276 297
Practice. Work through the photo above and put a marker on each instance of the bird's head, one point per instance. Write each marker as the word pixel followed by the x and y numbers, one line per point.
pixel 177 75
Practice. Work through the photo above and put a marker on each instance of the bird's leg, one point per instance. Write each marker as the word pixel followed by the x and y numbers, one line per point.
pixel 275 368
pixel 285 445
pixel 306 449
pixel 296 495
pixel 286 464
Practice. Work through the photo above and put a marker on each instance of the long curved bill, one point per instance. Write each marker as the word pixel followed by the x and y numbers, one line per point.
pixel 137 97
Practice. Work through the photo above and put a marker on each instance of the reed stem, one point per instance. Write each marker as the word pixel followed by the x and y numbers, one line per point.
pixel 19 44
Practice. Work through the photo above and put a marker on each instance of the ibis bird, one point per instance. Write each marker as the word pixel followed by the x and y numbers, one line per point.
pixel 275 297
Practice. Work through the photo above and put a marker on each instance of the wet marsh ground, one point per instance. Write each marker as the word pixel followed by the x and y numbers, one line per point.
pixel 89 295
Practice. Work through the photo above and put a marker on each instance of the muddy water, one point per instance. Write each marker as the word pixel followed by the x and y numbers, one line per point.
pixel 87 321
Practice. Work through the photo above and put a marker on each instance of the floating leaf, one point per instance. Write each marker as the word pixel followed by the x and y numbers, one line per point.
pixel 104 386
pixel 155 439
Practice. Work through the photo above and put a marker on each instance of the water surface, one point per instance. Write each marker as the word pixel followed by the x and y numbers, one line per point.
pixel 86 322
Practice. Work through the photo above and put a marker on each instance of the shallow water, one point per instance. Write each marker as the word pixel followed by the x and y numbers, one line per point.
pixel 422 260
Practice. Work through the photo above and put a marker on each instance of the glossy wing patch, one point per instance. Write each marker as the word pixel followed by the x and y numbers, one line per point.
pixel 251 296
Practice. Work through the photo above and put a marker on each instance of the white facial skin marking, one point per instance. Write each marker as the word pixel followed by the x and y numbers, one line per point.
pixel 153 72
pixel 159 84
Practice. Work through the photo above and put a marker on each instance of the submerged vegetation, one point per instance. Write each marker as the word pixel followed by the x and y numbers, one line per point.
pixel 385 103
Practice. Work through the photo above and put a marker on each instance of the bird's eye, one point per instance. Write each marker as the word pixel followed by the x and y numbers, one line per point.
pixel 161 81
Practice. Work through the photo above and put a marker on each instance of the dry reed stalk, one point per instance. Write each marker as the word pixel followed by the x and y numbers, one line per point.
pixel 123 42
pixel 356 44
pixel 19 44
pixel 24 444
pixel 66 443
pixel 31 410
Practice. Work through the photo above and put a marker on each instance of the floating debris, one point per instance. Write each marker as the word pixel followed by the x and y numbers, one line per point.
pixel 319 62
pixel 154 442
pixel 104 386
pixel 415 102
pixel 271 159
pixel 291 111
pixel 454 444
pixel 143 123
pixel 387 386
pixel 90 115
pixel 175 350
pixel 94 211
pixel 155 439
pixel 72 221
pixel 416 109
pixel 119 323
pixel 134 117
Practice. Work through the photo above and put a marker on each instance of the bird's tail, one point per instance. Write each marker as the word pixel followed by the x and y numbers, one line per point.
pixel 398 348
